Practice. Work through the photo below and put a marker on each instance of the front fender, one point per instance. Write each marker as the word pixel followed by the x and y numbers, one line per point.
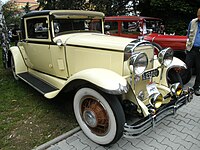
pixel 18 60
pixel 177 63
pixel 109 81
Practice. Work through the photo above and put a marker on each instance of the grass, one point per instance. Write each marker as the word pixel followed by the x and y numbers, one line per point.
pixel 27 119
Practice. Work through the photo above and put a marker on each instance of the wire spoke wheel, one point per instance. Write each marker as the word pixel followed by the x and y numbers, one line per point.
pixel 99 115
pixel 95 116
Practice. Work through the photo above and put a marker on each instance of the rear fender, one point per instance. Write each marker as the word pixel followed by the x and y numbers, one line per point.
pixel 18 60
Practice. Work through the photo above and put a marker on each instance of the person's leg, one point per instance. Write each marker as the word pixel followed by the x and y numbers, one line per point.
pixel 190 57
pixel 197 69
pixel 189 61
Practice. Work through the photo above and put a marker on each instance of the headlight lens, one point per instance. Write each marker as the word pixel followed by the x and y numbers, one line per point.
pixel 137 63
pixel 165 56
pixel 176 89
pixel 156 100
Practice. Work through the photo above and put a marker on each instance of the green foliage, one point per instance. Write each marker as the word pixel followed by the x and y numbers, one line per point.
pixel 26 8
pixel 27 119
pixel 176 14
pixel 11 13
pixel 42 3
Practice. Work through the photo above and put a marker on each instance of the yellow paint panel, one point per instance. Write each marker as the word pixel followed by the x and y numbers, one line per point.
pixel 80 58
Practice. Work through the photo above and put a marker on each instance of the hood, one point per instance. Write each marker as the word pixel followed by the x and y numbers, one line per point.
pixel 95 40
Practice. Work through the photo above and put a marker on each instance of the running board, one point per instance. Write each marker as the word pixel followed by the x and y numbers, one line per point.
pixel 38 84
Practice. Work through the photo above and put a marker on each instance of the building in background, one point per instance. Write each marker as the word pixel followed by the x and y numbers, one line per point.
pixel 22 3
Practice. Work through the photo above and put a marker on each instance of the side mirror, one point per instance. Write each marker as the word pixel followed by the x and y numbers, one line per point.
pixel 19 34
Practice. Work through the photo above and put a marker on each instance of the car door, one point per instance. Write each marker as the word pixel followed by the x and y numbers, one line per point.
pixel 36 46
pixel 39 52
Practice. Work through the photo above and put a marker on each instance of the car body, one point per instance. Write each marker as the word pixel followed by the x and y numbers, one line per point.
pixel 149 28
pixel 113 77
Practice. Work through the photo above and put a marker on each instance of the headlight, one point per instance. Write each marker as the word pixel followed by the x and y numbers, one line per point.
pixel 176 89
pixel 156 100
pixel 165 56
pixel 137 63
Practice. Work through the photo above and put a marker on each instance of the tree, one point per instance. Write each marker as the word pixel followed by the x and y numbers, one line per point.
pixel 111 7
pixel 70 4
pixel 11 14
pixel 176 14
pixel 42 4
pixel 26 8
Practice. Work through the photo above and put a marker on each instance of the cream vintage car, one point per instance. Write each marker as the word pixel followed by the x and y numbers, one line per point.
pixel 121 87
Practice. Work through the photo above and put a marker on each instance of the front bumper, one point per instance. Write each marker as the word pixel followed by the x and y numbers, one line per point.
pixel 148 122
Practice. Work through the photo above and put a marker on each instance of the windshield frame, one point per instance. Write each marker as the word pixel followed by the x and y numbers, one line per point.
pixel 76 18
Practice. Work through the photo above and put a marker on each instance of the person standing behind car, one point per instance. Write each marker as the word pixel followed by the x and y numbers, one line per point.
pixel 193 50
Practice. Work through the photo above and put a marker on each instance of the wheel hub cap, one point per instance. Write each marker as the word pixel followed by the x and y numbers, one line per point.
pixel 90 118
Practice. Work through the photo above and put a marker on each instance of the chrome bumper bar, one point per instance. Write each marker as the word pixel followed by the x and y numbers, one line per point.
pixel 138 128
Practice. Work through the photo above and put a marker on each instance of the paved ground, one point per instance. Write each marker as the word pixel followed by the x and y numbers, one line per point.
pixel 179 132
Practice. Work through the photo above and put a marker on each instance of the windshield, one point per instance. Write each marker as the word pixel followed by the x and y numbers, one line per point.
pixel 64 26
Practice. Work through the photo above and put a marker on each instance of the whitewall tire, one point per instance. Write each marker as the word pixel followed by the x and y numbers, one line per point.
pixel 99 115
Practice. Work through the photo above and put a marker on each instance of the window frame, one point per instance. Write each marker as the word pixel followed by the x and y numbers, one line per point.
pixel 48 39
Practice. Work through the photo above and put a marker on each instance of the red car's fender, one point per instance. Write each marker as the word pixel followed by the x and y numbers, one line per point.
pixel 176 42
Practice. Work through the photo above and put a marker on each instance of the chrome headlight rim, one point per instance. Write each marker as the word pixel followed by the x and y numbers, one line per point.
pixel 134 62
pixel 165 56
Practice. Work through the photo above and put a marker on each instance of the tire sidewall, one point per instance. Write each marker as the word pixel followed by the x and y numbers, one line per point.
pixel 13 68
pixel 112 135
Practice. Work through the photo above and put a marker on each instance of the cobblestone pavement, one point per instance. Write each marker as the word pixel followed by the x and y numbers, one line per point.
pixel 179 132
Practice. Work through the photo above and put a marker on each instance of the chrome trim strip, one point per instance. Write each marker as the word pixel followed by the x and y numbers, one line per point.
pixel 121 90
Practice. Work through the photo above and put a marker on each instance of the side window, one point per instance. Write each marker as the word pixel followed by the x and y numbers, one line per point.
pixel 37 28
pixel 113 27
pixel 130 28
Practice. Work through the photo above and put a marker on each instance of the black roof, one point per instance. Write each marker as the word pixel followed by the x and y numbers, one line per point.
pixel 36 13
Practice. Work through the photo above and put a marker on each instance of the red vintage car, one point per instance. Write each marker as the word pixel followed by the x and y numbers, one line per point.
pixel 149 28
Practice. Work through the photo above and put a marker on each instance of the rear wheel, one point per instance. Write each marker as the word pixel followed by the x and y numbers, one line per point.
pixel 13 69
pixel 99 115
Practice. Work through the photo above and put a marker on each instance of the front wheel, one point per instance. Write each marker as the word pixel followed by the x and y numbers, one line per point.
pixel 99 115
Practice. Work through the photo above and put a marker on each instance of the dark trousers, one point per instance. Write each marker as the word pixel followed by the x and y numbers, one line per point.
pixel 193 61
